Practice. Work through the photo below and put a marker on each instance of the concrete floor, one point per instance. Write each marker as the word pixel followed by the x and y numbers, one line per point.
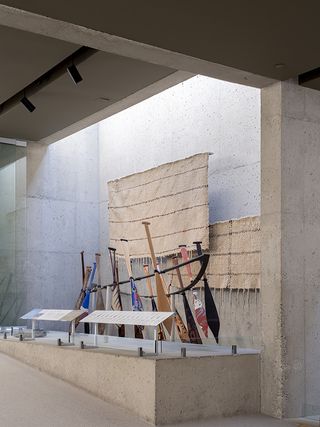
pixel 32 398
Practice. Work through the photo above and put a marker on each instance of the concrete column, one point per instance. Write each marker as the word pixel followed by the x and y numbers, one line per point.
pixel 290 223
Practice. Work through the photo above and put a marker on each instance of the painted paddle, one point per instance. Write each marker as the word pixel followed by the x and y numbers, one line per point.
pixel 163 301
pixel 191 324
pixel 211 309
pixel 86 302
pixel 135 298
pixel 82 265
pixel 82 296
pixel 198 306
pixel 116 297
pixel 99 302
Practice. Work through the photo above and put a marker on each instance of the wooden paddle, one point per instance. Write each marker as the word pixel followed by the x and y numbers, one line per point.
pixel 99 301
pixel 135 298
pixel 198 307
pixel 116 297
pixel 163 301
pixel 211 309
pixel 161 333
pixel 191 324
pixel 81 296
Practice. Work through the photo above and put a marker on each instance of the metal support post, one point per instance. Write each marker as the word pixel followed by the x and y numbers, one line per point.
pixel 95 336
pixel 108 305
pixel 73 330
pixel 155 337
pixel 33 327
pixel 173 308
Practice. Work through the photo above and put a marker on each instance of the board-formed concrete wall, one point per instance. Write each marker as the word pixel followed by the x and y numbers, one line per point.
pixel 12 232
pixel 62 217
pixel 290 226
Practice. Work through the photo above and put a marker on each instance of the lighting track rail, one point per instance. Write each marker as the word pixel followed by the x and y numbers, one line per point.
pixel 309 76
pixel 48 77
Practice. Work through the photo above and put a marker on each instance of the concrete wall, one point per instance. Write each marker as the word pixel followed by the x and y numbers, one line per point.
pixel 200 114
pixel 12 231
pixel 290 225
pixel 62 217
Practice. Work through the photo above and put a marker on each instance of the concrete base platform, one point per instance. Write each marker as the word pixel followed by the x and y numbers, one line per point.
pixel 161 390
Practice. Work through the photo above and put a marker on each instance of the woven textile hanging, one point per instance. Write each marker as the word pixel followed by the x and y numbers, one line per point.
pixel 173 197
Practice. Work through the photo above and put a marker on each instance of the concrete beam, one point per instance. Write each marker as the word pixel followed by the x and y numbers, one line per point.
pixel 38 24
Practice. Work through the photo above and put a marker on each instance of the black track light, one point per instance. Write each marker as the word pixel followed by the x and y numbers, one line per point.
pixel 74 74
pixel 28 104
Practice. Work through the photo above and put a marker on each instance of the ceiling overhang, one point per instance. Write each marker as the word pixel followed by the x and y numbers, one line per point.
pixel 250 43
pixel 36 68
pixel 274 39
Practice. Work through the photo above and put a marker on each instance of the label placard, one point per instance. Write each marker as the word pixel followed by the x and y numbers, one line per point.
pixel 54 315
pixel 144 318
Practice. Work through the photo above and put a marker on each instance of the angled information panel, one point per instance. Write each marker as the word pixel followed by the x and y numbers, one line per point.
pixel 143 318
pixel 55 315
pixel 31 314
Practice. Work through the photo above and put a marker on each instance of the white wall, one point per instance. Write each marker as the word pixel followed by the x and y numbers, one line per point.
pixel 200 114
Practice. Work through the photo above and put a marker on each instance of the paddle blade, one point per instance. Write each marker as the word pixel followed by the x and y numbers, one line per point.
pixel 200 313
pixel 100 306
pixel 211 311
pixel 182 330
pixel 163 302
pixel 191 324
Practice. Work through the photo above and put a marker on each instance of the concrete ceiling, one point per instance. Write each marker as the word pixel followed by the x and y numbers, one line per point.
pixel 107 78
pixel 247 35
pixel 25 57
pixel 246 42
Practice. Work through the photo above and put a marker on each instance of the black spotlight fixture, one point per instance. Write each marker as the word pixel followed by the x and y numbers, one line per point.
pixel 28 104
pixel 74 74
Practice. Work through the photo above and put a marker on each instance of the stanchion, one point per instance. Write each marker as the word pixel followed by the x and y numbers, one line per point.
pixel 108 305
pixel 95 336
pixel 173 308
pixel 33 327
pixel 155 337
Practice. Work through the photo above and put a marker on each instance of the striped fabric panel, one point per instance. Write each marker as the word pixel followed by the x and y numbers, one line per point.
pixel 173 197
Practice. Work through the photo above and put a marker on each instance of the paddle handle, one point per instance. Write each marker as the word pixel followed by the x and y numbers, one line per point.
pixel 125 246
pixel 153 255
pixel 185 257
pixel 176 262
pixel 82 265
pixel 98 256
pixel 148 279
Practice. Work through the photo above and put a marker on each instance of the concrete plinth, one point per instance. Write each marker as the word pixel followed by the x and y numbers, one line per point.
pixel 160 390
